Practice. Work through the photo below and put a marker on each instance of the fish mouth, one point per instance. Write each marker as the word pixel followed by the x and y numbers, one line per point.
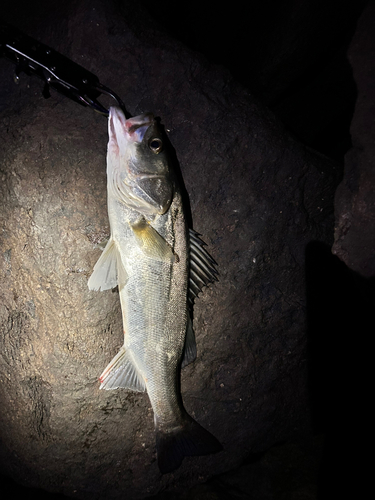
pixel 133 128
pixel 138 126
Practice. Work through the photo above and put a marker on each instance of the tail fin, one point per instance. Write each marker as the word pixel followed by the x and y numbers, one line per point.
pixel 186 440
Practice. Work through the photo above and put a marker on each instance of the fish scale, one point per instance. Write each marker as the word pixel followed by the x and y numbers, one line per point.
pixel 148 257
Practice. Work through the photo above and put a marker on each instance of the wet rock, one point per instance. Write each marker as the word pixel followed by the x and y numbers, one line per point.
pixel 257 197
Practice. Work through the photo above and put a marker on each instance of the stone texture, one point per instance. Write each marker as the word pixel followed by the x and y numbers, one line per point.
pixel 256 195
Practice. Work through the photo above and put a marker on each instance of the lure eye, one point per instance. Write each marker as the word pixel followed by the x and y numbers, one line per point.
pixel 156 145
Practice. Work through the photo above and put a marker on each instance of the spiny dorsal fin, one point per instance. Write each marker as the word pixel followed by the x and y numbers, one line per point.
pixel 202 266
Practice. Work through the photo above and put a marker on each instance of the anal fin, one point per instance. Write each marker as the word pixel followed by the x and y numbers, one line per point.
pixel 121 372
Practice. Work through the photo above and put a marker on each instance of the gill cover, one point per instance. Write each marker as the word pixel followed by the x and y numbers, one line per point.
pixel 137 163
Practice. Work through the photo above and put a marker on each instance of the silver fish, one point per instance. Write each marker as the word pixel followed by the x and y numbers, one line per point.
pixel 159 267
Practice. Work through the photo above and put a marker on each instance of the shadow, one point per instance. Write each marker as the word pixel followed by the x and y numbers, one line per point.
pixel 11 489
pixel 291 56
pixel 340 310
pixel 318 107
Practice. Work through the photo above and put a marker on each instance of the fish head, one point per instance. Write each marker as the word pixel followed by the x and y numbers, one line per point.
pixel 138 166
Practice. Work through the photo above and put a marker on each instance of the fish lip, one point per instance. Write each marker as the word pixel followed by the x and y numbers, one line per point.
pixel 146 121
pixel 142 119
pixel 134 127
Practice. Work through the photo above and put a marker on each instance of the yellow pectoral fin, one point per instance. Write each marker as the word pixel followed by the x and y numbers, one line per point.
pixel 151 243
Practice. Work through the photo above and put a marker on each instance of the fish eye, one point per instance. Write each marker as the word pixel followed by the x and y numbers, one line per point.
pixel 155 144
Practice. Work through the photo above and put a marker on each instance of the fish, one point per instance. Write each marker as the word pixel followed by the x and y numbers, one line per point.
pixel 159 266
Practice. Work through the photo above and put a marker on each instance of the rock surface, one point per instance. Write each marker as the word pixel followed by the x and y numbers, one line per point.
pixel 256 195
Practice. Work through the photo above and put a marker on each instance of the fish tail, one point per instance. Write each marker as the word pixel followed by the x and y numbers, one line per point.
pixel 187 439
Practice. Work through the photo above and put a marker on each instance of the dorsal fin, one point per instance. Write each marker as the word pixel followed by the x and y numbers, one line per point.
pixel 202 266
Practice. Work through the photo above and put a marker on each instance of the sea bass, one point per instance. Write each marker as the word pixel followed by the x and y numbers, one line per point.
pixel 159 267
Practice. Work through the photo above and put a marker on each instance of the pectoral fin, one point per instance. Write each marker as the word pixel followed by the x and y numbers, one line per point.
pixel 109 271
pixel 151 243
